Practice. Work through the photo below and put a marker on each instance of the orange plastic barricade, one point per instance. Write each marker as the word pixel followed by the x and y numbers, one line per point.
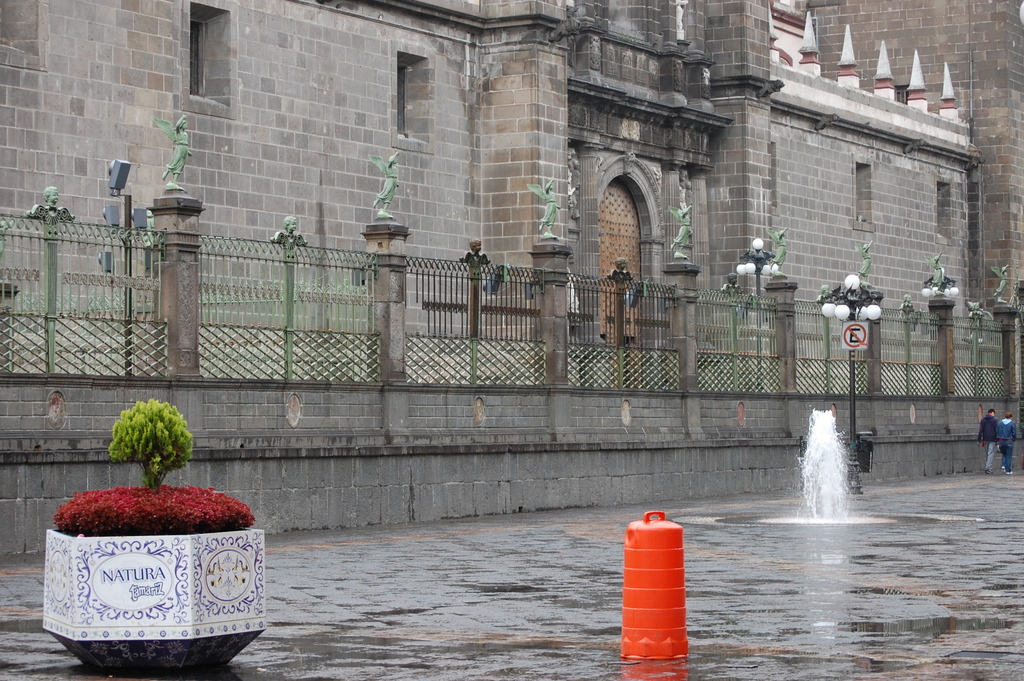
pixel 654 590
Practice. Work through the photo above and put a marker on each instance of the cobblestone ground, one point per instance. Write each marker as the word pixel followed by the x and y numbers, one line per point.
pixel 929 589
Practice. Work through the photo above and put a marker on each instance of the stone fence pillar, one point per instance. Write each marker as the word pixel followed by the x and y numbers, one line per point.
pixel 553 257
pixel 943 308
pixel 1006 315
pixel 683 321
pixel 387 239
pixel 784 292
pixel 874 357
pixel 177 214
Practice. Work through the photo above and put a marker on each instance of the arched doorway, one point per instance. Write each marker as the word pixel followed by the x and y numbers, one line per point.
pixel 618 228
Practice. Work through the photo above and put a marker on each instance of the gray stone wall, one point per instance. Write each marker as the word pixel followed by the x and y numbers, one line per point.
pixel 325 488
pixel 340 466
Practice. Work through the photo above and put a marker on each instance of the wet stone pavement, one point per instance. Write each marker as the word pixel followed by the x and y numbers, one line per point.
pixel 930 588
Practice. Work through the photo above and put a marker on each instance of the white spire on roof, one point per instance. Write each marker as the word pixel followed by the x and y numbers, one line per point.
pixel 883 75
pixel 915 92
pixel 948 107
pixel 810 38
pixel 848 76
pixel 947 83
pixel 847 58
pixel 809 49
pixel 883 71
pixel 916 75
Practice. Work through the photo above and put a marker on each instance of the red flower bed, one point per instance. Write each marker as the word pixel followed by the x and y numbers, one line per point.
pixel 125 511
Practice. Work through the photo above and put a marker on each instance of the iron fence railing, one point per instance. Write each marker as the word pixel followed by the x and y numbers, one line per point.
pixel 286 310
pixel 80 298
pixel 619 332
pixel 473 322
pixel 910 352
pixel 736 342
pixel 978 355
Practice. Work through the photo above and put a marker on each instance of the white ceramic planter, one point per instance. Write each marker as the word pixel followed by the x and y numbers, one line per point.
pixel 155 601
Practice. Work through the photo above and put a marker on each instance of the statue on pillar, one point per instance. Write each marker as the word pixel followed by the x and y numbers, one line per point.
pixel 682 240
pixel 1001 272
pixel 178 134
pixel 865 265
pixel 50 213
pixel 387 192
pixel 551 208
pixel 475 258
pixel 779 240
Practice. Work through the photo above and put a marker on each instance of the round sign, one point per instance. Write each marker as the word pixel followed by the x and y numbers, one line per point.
pixel 855 335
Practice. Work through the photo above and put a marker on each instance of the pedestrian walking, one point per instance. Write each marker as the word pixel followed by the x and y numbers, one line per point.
pixel 987 437
pixel 1006 433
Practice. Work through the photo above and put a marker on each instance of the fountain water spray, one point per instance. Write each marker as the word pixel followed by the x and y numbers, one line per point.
pixel 824 471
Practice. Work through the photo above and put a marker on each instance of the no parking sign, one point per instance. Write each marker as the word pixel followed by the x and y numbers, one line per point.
pixel 855 335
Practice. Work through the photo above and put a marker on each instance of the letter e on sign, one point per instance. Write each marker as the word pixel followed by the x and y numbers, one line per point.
pixel 855 335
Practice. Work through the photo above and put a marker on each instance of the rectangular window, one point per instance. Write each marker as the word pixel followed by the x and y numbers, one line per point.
pixel 196 65
pixel 210 80
pixel 413 98
pixel 400 114
pixel 944 209
pixel 862 208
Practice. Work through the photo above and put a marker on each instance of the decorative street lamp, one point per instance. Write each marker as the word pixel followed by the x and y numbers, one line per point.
pixel 757 261
pixel 853 300
pixel 945 287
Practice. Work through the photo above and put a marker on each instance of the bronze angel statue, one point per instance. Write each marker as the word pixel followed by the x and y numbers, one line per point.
pixel 387 192
pixel 547 192
pixel 1003 281
pixel 778 238
pixel 682 240
pixel 938 272
pixel 178 135
pixel 865 260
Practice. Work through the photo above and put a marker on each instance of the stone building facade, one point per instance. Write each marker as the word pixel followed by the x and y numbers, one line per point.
pixel 982 45
pixel 631 108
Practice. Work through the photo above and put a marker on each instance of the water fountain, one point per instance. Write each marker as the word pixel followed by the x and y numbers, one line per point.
pixel 824 471
pixel 826 490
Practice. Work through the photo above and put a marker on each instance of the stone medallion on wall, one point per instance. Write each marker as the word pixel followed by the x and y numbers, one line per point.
pixel 479 411
pixel 56 413
pixel 293 410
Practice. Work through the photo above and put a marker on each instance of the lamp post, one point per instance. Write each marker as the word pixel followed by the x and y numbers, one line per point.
pixel 943 287
pixel 757 261
pixel 853 300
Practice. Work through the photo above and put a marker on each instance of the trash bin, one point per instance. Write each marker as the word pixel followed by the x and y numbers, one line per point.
pixel 864 450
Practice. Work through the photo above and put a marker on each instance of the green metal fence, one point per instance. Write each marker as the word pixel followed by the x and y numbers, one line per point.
pixel 978 352
pixel 80 298
pixel 910 353
pixel 619 332
pixel 822 365
pixel 736 342
pixel 473 323
pixel 286 311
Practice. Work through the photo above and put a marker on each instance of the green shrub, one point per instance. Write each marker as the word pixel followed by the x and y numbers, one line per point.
pixel 154 435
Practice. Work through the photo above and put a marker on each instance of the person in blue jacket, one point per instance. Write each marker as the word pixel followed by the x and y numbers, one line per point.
pixel 1006 433
pixel 987 437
